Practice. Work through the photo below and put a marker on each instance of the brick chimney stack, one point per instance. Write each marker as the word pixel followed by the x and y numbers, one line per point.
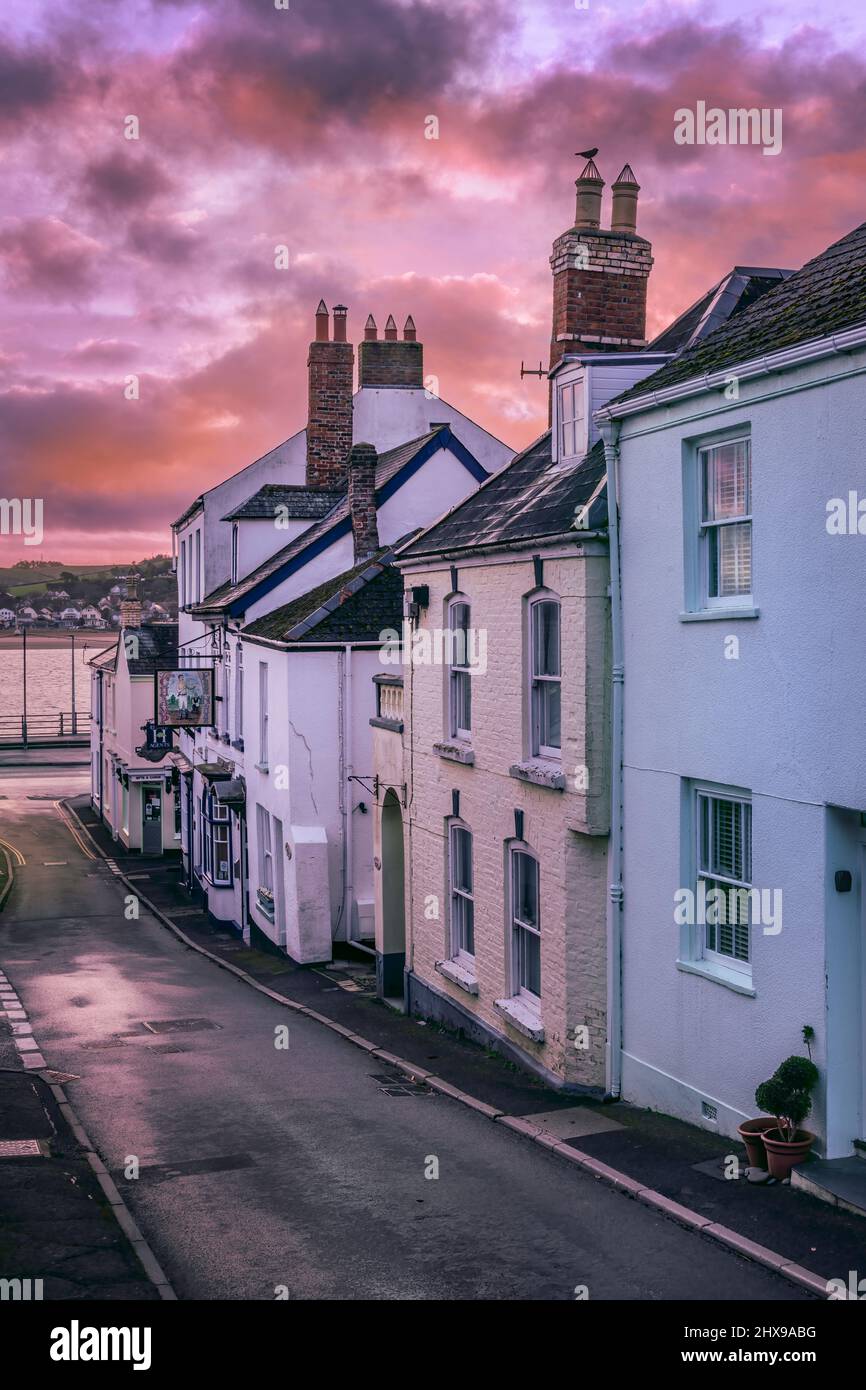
pixel 329 423
pixel 362 500
pixel 387 362
pixel 130 606
pixel 599 276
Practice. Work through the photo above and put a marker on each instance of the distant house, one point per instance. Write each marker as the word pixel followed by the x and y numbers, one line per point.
pixel 46 615
pixel 133 785
pixel 7 617
pixel 91 616
pixel 104 604
pixel 70 617
pixel 26 614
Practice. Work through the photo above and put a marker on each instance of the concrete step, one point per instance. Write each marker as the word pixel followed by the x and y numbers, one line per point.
pixel 839 1181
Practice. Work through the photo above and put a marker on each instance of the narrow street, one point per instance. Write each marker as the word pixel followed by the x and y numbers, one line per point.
pixel 262 1167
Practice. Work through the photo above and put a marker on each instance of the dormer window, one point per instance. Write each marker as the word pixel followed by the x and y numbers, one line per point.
pixel 572 441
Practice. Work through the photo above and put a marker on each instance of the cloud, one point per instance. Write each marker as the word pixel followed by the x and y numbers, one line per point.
pixel 164 240
pixel 103 352
pixel 29 81
pixel 124 180
pixel 45 256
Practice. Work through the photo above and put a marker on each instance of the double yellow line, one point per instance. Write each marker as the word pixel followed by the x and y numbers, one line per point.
pixel 73 830
pixel 16 853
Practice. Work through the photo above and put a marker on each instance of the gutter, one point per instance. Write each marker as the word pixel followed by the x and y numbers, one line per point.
pixel 614 1044
pixel 818 349
pixel 422 557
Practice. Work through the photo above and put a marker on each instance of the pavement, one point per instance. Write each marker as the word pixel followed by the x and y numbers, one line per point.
pixel 318 1169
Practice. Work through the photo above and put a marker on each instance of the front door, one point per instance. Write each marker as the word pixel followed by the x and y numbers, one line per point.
pixel 151 820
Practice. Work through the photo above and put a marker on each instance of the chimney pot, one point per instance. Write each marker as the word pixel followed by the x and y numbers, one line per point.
pixel 390 330
pixel 589 188
pixel 371 332
pixel 409 331
pixel 625 190
pixel 340 316
pixel 322 321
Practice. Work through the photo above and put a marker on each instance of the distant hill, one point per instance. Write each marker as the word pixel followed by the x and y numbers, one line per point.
pixel 34 576
pixel 89 583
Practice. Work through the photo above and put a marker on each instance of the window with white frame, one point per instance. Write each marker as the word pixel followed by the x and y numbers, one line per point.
pixel 235 534
pixel 525 911
pixel 216 855
pixel 198 565
pixel 571 418
pixel 263 714
pixel 265 895
pixel 724 864
pixel 239 694
pixel 461 892
pixel 545 678
pixel 459 673
pixel 726 521
pixel 182 585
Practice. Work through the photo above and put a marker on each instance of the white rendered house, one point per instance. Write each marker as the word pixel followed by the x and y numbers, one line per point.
pixel 740 638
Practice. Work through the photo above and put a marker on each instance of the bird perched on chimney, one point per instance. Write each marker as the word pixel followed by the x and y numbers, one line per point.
pixel 586 154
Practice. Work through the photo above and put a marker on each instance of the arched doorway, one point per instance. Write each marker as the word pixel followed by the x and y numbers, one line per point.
pixel 391 959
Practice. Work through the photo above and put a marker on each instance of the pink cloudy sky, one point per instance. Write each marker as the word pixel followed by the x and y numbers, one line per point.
pixel 305 127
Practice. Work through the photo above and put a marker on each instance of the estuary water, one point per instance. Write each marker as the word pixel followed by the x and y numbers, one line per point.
pixel 49 672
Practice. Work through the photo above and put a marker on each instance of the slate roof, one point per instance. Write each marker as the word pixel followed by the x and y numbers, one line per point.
pixel 191 509
pixel 737 290
pixel 389 466
pixel 529 499
pixel 826 296
pixel 299 502
pixel 105 660
pixel 356 606
pixel 157 648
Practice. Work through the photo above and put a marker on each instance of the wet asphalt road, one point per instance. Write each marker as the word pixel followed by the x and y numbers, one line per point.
pixel 262 1167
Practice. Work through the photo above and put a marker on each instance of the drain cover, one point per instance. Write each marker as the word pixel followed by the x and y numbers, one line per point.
pixel 399 1085
pixel 179 1025
pixel 21 1148
pixel 167 1048
pixel 99 1043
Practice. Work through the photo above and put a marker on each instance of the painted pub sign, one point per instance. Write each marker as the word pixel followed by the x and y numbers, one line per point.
pixel 184 698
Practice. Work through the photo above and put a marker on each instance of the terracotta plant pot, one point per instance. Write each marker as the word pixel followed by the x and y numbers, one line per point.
pixel 783 1155
pixel 752 1134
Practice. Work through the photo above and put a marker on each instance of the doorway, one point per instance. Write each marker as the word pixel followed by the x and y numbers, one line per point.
pixel 151 819
pixel 391 960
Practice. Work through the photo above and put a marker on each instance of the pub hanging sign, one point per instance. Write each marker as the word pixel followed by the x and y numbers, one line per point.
pixel 184 699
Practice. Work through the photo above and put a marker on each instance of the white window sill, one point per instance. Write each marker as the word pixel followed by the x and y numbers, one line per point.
pixel 521 1016
pixel 456 751
pixel 542 772
pixel 710 970
pixel 458 975
pixel 709 615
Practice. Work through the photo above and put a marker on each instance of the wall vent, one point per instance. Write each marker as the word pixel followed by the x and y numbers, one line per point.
pixel 709 1112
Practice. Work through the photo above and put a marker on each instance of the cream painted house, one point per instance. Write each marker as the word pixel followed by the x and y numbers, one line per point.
pixel 505 725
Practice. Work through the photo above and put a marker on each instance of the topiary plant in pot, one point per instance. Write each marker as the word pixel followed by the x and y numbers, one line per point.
pixel 788 1096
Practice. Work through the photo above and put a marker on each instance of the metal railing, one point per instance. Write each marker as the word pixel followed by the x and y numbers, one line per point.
pixel 41 728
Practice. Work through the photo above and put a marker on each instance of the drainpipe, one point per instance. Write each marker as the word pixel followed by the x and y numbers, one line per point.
pixel 348 821
pixel 613 1054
